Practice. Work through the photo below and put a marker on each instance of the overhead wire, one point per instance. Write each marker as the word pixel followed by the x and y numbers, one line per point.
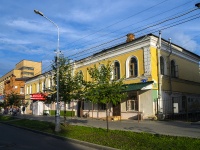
pixel 168 19
pixel 85 50
pixel 120 21
pixel 135 23
pixel 152 26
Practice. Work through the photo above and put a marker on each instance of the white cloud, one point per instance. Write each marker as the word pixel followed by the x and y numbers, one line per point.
pixel 13 41
pixel 31 25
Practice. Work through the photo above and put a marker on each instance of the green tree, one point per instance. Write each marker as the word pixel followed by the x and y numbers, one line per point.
pixel 13 99
pixel 70 83
pixel 103 89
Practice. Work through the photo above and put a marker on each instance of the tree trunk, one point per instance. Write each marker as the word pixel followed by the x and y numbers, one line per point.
pixel 92 109
pixel 65 114
pixel 72 109
pixel 107 116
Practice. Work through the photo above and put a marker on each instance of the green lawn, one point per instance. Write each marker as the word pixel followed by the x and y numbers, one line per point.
pixel 114 138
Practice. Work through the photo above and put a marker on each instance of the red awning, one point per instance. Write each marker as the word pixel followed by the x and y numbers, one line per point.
pixel 38 96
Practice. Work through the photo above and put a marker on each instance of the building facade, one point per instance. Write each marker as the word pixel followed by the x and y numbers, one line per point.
pixel 161 80
pixel 36 91
pixel 23 69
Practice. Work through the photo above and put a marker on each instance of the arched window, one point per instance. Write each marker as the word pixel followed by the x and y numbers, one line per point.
pixel 133 67
pixel 80 72
pixel 116 70
pixel 101 66
pixel 173 69
pixel 162 65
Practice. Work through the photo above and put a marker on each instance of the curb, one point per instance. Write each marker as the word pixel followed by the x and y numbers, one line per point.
pixel 92 145
pixel 195 123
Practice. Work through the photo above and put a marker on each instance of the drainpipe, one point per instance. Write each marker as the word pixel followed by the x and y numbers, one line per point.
pixel 158 65
pixel 170 78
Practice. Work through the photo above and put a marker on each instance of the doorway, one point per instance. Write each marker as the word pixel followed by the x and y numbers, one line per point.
pixel 117 110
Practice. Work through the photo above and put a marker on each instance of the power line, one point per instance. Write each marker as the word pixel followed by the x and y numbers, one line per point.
pixel 149 18
pixel 149 27
pixel 120 21
pixel 89 49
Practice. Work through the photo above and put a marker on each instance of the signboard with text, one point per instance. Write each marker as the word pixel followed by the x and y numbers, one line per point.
pixel 38 96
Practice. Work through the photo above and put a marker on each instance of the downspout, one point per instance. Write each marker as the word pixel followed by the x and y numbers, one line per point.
pixel 159 77
pixel 170 78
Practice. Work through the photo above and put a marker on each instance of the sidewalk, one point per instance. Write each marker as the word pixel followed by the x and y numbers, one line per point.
pixel 174 128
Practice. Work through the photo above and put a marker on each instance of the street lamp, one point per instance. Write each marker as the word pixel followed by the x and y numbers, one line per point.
pixel 57 117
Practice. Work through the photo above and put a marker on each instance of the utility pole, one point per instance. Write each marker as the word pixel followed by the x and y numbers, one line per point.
pixel 57 117
pixel 159 76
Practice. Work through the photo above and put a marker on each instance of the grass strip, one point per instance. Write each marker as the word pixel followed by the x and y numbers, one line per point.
pixel 125 140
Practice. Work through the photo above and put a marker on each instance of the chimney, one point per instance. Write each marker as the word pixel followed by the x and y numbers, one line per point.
pixel 130 37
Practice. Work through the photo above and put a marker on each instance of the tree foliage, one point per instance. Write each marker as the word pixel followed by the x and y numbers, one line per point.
pixel 13 99
pixel 103 89
pixel 70 83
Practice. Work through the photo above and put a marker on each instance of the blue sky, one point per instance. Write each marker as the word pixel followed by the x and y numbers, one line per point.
pixel 86 24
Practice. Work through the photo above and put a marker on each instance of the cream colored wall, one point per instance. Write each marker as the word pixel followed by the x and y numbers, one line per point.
pixel 188 74
pixel 146 103
pixel 36 65
pixel 32 83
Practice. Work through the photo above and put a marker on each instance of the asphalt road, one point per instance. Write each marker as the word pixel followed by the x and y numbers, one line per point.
pixel 13 138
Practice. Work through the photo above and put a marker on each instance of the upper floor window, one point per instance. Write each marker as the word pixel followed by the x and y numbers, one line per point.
pixel 27 90
pixel 133 67
pixel 38 88
pixel 80 73
pixel 162 65
pixel 116 70
pixel 21 90
pixel 174 69
pixel 30 89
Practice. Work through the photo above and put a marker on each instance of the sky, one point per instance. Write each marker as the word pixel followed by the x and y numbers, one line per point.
pixel 88 26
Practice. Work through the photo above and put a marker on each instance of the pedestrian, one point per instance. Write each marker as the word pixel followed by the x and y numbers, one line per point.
pixel 23 109
pixel 11 111
pixel 14 112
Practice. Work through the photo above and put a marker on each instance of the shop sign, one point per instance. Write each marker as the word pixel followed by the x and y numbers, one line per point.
pixel 38 96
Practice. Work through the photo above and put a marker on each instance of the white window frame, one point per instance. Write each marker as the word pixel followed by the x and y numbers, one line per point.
pixel 30 90
pixel 128 67
pixel 129 106
pixel 114 71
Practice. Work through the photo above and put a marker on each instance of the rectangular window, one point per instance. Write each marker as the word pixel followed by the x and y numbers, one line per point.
pixel 102 106
pixel 30 89
pixel 27 90
pixel 42 86
pixel 132 105
pixel 38 87
pixel 21 90
pixel 131 70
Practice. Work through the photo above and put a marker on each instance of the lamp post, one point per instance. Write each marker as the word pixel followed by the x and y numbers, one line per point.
pixel 57 117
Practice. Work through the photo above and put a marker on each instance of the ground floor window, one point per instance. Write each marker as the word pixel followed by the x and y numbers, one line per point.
pixel 132 105
pixel 102 106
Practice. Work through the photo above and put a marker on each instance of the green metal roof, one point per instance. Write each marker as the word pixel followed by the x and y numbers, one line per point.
pixel 136 86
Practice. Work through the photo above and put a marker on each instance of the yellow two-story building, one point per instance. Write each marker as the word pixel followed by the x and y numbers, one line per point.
pixel 162 78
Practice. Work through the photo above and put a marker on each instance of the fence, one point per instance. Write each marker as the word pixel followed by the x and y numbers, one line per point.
pixel 178 108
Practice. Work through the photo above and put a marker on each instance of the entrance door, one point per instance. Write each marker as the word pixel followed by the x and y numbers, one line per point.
pixel 116 110
pixel 80 109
